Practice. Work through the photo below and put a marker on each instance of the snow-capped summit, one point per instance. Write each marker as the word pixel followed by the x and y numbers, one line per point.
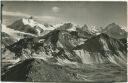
pixel 124 28
pixel 15 33
pixel 31 22
pixel 28 21
pixel 91 30
pixel 95 30
pixel 58 25
pixel 29 25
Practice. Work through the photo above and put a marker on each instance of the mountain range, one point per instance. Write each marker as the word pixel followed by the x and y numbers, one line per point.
pixel 64 44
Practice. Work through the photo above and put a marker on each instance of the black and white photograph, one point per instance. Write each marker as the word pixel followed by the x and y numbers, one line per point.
pixel 64 41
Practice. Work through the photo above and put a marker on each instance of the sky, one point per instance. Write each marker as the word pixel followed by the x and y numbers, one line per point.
pixel 98 14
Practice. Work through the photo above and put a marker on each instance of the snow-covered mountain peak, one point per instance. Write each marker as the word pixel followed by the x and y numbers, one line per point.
pixel 124 28
pixel 29 25
pixel 94 30
pixel 31 22
pixel 28 21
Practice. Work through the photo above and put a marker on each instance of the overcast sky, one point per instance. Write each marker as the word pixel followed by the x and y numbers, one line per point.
pixel 98 14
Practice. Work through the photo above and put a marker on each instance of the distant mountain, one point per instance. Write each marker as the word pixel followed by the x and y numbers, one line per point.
pixel 28 25
pixel 76 30
pixel 93 30
pixel 67 26
pixel 115 31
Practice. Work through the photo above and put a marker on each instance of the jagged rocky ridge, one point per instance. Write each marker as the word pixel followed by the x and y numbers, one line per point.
pixel 53 45
pixel 61 45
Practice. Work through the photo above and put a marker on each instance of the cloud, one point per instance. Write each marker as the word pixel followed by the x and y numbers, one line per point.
pixel 46 18
pixel 19 14
pixel 55 9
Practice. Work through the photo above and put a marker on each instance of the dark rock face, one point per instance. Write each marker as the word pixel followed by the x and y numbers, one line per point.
pixel 20 72
pixel 83 33
pixel 65 26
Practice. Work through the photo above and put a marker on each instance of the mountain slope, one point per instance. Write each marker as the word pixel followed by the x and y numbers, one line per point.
pixel 102 48
pixel 42 71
